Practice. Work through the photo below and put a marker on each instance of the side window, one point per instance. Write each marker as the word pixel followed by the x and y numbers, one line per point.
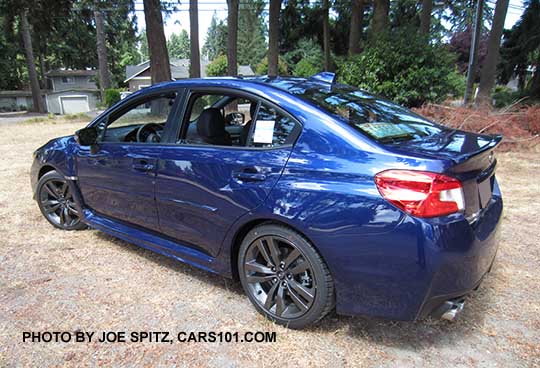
pixel 240 105
pixel 202 102
pixel 143 122
pixel 217 119
pixel 273 129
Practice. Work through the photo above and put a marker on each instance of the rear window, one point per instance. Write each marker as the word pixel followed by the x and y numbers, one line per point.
pixel 377 118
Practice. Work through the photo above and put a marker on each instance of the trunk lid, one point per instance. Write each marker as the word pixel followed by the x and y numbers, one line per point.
pixel 473 161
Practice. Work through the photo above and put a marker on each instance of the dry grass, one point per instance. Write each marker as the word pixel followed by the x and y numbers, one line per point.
pixel 55 280
pixel 519 124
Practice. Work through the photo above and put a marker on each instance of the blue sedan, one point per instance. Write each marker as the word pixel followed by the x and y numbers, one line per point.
pixel 314 194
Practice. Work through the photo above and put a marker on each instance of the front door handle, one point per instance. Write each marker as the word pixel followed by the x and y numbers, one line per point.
pixel 97 159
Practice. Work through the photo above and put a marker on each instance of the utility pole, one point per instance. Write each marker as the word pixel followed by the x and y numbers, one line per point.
pixel 473 56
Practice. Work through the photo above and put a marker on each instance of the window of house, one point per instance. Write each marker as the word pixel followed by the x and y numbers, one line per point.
pixel 68 80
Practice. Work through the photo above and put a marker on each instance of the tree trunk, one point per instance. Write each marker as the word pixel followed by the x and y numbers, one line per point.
pixel 326 36
pixel 104 75
pixel 534 84
pixel 195 55
pixel 232 37
pixel 273 35
pixel 160 67
pixel 473 54
pixel 43 81
pixel 425 21
pixel 356 26
pixel 379 23
pixel 489 69
pixel 37 99
pixel 522 76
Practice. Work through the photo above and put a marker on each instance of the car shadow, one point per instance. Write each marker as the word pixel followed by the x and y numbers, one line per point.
pixel 403 335
pixel 175 265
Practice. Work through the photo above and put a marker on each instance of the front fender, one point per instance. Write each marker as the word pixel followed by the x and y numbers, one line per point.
pixel 59 155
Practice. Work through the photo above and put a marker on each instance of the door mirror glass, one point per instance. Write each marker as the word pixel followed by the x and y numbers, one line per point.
pixel 86 136
pixel 235 118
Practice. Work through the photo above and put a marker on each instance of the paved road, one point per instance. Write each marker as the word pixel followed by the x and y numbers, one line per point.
pixel 18 117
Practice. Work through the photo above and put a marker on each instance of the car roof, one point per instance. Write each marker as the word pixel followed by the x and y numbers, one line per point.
pixel 278 83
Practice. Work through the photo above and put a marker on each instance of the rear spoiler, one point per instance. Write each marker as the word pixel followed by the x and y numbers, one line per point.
pixel 496 139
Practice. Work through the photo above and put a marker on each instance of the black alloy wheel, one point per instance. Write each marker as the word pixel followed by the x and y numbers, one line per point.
pixel 284 277
pixel 56 202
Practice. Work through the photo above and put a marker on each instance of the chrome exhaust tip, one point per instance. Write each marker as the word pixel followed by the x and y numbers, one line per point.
pixel 450 309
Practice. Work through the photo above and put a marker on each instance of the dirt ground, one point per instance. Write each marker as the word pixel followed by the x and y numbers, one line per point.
pixel 52 280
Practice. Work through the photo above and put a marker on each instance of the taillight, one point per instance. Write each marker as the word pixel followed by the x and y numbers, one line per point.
pixel 421 193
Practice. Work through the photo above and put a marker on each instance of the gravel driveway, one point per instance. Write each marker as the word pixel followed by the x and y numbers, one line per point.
pixel 18 117
pixel 87 281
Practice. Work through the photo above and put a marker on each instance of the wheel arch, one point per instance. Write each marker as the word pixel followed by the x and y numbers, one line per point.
pixel 245 228
pixel 45 169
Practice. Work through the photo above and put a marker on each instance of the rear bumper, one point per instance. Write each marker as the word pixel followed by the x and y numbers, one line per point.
pixel 430 261
pixel 461 267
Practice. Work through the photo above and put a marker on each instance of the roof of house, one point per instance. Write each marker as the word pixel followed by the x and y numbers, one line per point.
pixel 71 72
pixel 179 69
pixel 18 93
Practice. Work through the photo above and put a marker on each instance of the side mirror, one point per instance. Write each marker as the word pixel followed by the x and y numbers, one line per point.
pixel 235 118
pixel 86 136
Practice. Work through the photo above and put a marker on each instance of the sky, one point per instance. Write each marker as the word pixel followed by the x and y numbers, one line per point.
pixel 175 22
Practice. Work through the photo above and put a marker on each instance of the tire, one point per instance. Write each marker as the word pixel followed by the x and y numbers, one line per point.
pixel 56 202
pixel 285 277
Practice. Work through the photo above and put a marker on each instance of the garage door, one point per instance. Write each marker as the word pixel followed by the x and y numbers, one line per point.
pixel 74 104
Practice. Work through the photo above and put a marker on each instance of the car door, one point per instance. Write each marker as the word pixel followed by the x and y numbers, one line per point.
pixel 201 189
pixel 117 179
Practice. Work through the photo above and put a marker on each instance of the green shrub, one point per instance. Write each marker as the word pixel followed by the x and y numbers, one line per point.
pixel 309 54
pixel 458 84
pixel 503 96
pixel 262 67
pixel 218 67
pixel 112 96
pixel 403 68
pixel 304 68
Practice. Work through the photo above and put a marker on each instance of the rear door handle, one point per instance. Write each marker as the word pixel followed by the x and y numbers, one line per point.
pixel 249 174
pixel 143 166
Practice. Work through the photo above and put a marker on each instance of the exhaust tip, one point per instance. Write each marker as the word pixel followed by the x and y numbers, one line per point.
pixel 450 309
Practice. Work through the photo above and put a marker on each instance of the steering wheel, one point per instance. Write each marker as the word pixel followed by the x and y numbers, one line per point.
pixel 149 133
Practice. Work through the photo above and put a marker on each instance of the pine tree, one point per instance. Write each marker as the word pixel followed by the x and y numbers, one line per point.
pixel 273 51
pixel 251 32
pixel 178 45
pixel 159 58
pixel 216 39
pixel 521 48
pixel 488 74
pixel 232 37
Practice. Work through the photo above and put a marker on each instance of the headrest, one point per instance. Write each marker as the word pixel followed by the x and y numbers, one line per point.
pixel 211 123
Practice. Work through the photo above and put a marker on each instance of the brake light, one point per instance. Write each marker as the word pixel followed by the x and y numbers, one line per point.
pixel 421 193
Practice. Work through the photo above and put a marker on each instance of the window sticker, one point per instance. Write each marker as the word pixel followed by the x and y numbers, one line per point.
pixel 381 130
pixel 264 131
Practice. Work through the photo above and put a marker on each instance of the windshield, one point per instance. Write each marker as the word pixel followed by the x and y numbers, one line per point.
pixel 378 118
